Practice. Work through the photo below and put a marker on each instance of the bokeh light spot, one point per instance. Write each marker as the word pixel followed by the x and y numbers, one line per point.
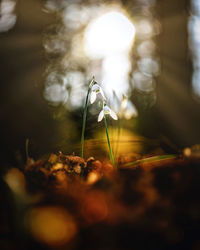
pixel 110 33
pixel 51 225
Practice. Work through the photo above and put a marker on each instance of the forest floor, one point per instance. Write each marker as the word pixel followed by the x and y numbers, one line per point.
pixel 66 202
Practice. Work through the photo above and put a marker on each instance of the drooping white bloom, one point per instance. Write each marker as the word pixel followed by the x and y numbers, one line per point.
pixel 127 109
pixel 124 102
pixel 130 111
pixel 107 111
pixel 96 89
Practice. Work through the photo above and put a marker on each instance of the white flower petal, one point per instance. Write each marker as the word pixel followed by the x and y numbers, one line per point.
pixel 101 115
pixel 113 115
pixel 106 109
pixel 93 87
pixel 130 111
pixel 101 91
pixel 93 97
pixel 124 102
pixel 134 110
pixel 96 87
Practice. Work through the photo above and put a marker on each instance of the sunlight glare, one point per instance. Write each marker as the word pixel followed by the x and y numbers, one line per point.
pixel 115 71
pixel 110 38
pixel 110 33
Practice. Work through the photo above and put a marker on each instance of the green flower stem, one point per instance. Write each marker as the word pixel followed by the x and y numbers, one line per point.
pixel 85 117
pixel 118 136
pixel 110 150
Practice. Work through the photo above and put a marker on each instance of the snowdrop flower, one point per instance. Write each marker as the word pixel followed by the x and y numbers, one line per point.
pixel 96 89
pixel 107 111
pixel 124 102
pixel 127 109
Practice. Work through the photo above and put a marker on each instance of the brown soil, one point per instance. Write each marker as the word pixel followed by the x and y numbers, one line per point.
pixel 65 202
